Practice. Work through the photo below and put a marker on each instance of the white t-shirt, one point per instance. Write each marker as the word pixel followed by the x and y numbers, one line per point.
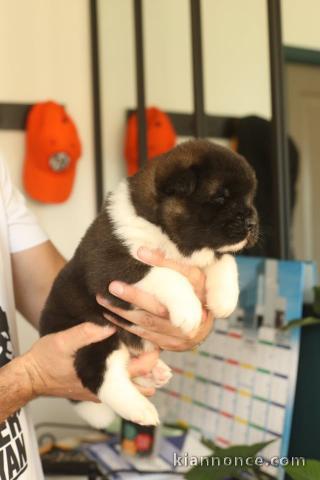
pixel 19 230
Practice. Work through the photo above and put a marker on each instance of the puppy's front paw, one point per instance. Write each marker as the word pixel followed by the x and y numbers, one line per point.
pixel 222 302
pixel 176 293
pixel 222 286
pixel 186 312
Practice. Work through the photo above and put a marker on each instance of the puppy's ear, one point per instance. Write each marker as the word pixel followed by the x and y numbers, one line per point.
pixel 181 183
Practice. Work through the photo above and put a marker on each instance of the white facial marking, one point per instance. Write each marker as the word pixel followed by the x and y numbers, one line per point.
pixel 236 247
pixel 136 231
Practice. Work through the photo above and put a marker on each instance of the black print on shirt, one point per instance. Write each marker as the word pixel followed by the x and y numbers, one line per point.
pixel 13 456
pixel 5 343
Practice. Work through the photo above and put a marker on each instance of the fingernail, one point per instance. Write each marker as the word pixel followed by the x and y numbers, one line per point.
pixel 109 329
pixel 102 300
pixel 163 311
pixel 145 253
pixel 106 331
pixel 116 288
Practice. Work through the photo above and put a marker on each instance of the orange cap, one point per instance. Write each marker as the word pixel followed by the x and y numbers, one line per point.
pixel 161 137
pixel 52 150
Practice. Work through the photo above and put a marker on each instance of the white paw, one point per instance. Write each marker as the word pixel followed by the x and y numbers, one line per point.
pixel 159 376
pixel 98 415
pixel 126 400
pixel 222 286
pixel 175 292
pixel 222 303
pixel 186 312
pixel 146 381
pixel 141 411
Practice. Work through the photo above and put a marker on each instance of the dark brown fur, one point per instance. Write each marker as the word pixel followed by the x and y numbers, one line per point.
pixel 99 259
pixel 199 194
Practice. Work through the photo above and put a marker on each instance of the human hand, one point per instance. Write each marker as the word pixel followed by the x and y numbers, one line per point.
pixel 151 320
pixel 50 362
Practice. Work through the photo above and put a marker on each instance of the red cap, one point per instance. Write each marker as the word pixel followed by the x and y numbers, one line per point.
pixel 161 137
pixel 52 150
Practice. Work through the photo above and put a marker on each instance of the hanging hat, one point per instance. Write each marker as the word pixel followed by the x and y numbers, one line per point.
pixel 53 149
pixel 161 137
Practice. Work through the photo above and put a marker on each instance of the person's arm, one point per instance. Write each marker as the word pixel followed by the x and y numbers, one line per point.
pixel 34 271
pixel 15 388
pixel 35 261
pixel 48 369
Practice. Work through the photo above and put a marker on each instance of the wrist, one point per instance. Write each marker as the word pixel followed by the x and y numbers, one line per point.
pixel 33 375
pixel 15 387
pixel 19 379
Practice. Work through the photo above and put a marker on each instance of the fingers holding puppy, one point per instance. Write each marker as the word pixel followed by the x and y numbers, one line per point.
pixel 158 330
pixel 150 320
pixel 142 321
pixel 141 366
pixel 139 298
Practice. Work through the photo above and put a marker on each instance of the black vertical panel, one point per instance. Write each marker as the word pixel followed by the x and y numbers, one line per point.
pixel 140 82
pixel 305 432
pixel 96 103
pixel 197 63
pixel 281 171
pixel 13 116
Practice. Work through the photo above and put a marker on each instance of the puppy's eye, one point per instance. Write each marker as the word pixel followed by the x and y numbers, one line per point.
pixel 220 197
pixel 219 200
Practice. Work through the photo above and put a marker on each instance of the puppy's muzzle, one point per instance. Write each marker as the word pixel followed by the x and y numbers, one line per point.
pixel 250 224
pixel 252 228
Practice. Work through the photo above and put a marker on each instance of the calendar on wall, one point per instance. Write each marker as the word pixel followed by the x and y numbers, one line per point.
pixel 238 387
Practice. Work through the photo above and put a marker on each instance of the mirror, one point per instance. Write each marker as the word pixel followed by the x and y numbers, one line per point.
pixel 236 84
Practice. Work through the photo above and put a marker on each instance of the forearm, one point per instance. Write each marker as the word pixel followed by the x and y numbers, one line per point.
pixel 34 271
pixel 15 388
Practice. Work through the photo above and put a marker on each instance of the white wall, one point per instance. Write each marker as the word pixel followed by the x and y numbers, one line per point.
pixel 45 54
pixel 301 23
pixel 236 57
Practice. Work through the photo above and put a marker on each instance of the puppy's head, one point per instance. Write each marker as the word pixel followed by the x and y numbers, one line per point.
pixel 203 197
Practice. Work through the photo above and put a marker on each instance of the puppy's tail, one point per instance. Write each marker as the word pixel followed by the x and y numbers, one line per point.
pixel 98 415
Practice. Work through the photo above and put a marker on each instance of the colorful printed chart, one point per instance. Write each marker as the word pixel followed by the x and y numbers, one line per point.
pixel 238 386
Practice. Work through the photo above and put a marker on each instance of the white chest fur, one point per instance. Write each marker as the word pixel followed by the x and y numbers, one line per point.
pixel 136 231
